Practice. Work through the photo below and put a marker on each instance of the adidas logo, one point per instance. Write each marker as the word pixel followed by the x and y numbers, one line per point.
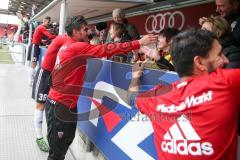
pixel 183 139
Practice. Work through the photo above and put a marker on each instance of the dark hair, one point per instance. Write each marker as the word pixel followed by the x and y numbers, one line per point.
pixel 48 18
pixel 169 33
pixel 101 25
pixel 188 44
pixel 75 22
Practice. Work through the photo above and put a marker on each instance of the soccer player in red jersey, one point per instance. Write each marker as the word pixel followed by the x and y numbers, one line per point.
pixel 41 86
pixel 67 79
pixel 40 31
pixel 195 118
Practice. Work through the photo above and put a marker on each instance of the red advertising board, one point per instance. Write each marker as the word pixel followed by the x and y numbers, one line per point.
pixel 180 18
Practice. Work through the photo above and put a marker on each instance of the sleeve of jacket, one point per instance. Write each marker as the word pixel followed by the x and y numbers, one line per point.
pixel 47 33
pixel 233 55
pixel 105 50
pixel 236 31
pixel 164 64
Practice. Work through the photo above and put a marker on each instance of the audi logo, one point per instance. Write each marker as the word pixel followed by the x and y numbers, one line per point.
pixel 156 23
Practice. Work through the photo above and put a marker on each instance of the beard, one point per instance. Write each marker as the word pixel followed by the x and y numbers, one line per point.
pixel 210 67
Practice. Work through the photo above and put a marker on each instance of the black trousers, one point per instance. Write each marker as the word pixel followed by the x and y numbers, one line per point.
pixel 61 127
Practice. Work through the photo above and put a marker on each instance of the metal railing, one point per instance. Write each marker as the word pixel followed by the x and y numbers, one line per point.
pixel 12 52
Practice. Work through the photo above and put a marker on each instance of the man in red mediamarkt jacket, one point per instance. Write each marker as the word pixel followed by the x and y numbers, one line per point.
pixel 40 31
pixel 195 118
pixel 67 80
pixel 41 87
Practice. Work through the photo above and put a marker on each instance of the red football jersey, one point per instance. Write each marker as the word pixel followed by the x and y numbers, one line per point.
pixel 51 53
pixel 196 119
pixel 39 33
pixel 69 72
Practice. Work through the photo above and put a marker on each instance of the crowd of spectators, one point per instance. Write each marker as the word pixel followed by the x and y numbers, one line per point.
pixel 225 24
pixel 120 30
pixel 169 52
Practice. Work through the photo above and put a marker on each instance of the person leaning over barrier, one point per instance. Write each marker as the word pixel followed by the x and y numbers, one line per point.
pixel 210 94
pixel 67 79
pixel 41 87
pixel 162 59
pixel 40 31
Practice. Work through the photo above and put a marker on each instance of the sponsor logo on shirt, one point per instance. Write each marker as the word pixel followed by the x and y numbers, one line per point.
pixel 188 103
pixel 182 139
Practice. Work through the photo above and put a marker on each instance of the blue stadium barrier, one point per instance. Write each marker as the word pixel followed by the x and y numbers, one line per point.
pixel 117 129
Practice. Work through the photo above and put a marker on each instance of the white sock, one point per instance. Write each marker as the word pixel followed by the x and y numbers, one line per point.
pixel 32 73
pixel 38 118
